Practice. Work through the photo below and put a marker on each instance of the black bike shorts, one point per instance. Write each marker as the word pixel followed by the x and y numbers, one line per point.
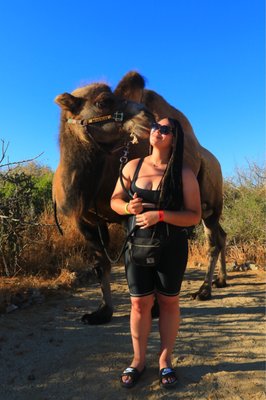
pixel 166 278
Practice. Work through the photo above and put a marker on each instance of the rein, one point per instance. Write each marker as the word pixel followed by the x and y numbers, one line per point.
pixel 123 248
pixel 123 160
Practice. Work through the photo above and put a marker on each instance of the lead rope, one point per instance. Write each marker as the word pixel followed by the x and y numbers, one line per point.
pixel 115 260
pixel 123 160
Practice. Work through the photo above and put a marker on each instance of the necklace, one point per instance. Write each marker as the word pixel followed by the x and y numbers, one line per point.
pixel 158 165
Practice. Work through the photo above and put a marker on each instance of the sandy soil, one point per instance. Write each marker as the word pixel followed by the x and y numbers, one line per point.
pixel 47 353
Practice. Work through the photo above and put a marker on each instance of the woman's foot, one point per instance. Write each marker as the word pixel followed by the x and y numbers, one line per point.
pixel 130 377
pixel 167 377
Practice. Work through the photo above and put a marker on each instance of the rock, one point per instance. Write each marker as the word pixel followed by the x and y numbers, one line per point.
pixel 230 267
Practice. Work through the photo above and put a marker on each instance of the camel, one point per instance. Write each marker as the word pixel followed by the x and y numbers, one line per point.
pixel 97 125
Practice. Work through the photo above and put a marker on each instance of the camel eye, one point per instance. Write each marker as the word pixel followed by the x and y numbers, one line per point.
pixel 104 103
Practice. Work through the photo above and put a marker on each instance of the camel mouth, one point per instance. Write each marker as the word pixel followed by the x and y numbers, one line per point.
pixel 143 128
pixel 138 131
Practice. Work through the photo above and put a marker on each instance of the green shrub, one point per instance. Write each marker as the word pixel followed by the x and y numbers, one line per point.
pixel 25 192
pixel 32 184
pixel 244 206
pixel 244 210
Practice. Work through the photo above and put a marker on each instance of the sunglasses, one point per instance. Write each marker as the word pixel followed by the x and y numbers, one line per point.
pixel 163 129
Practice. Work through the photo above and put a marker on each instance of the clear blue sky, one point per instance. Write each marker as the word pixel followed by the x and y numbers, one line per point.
pixel 206 57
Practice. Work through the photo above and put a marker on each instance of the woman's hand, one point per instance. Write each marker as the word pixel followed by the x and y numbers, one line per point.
pixel 147 219
pixel 135 205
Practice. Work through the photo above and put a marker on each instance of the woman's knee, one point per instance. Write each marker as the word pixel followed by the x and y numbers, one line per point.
pixel 142 304
pixel 168 301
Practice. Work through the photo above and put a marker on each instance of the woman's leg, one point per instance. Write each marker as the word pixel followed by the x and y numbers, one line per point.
pixel 168 326
pixel 140 326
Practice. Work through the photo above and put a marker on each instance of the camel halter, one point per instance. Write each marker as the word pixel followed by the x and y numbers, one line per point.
pixel 116 117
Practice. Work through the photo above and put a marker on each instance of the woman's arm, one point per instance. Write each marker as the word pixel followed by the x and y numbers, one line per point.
pixel 190 215
pixel 119 201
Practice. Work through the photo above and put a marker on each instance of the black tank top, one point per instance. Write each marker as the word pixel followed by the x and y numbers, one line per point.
pixel 148 195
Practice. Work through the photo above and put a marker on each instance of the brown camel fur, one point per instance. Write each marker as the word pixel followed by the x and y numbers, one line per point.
pixel 90 152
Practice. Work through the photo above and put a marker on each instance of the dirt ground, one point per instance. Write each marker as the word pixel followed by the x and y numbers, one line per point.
pixel 46 353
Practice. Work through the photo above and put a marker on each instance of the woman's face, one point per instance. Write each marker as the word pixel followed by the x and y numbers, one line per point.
pixel 161 134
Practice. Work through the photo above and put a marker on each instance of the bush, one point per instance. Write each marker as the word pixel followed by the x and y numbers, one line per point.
pixel 245 206
pixel 32 184
pixel 25 192
pixel 243 218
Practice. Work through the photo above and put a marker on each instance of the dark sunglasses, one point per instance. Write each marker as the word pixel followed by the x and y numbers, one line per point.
pixel 163 129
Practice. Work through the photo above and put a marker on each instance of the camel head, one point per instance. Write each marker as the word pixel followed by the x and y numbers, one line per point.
pixel 95 113
pixel 96 123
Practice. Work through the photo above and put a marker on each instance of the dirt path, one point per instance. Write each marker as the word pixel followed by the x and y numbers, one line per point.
pixel 47 354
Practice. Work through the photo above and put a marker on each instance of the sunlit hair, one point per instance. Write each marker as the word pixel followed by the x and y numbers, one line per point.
pixel 171 196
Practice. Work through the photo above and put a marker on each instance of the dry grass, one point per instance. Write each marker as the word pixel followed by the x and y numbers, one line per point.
pixel 10 288
pixel 197 253
pixel 247 252
pixel 47 253
pixel 235 254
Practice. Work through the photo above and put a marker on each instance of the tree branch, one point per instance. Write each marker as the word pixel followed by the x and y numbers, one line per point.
pixel 19 162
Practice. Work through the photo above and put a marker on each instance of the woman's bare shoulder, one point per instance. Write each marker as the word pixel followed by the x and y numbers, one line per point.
pixel 131 166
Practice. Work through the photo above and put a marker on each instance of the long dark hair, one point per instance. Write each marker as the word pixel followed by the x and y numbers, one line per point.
pixel 171 196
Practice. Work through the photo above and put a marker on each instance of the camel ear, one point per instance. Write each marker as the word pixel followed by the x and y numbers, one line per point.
pixel 69 103
pixel 131 87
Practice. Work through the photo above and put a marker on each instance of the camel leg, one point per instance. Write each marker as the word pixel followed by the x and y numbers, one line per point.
pixel 220 281
pixel 216 242
pixel 105 311
pixel 102 268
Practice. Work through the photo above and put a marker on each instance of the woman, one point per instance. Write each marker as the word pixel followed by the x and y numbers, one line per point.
pixel 166 200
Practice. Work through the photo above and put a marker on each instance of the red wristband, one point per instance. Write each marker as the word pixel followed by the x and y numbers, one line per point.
pixel 161 215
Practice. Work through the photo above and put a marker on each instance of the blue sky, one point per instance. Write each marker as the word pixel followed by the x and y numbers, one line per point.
pixel 205 57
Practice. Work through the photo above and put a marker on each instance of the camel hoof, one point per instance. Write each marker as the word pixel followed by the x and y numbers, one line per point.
pixel 219 283
pixel 102 316
pixel 204 293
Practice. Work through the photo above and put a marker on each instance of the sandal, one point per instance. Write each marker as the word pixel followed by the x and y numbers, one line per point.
pixel 166 373
pixel 134 374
